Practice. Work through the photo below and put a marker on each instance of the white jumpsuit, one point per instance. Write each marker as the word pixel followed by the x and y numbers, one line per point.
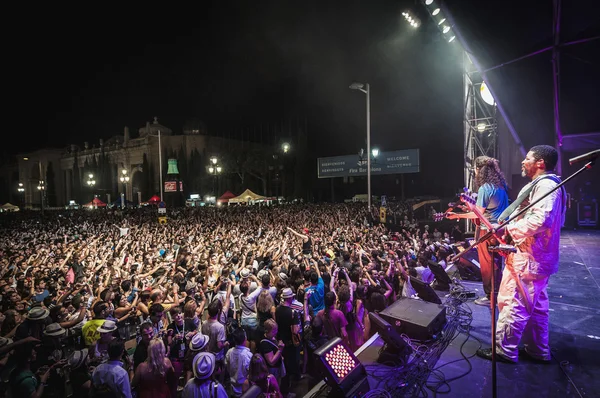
pixel 524 308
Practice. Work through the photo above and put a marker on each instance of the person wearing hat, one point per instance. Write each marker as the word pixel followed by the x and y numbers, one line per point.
pixel 34 324
pixel 79 374
pixel 203 383
pixel 99 350
pixel 288 322
pixel 199 343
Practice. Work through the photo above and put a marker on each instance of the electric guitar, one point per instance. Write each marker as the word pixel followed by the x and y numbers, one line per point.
pixel 470 200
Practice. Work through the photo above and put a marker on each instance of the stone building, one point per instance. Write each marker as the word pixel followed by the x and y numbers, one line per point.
pixel 245 164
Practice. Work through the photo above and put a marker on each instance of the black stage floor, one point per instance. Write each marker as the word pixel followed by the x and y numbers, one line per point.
pixel 574 337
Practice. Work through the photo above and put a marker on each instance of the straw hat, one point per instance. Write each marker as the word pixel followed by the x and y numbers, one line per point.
pixel 287 293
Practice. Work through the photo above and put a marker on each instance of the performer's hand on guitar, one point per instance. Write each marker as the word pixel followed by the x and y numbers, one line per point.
pixel 452 215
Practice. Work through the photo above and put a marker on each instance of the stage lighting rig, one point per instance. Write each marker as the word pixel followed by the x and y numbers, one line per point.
pixel 411 19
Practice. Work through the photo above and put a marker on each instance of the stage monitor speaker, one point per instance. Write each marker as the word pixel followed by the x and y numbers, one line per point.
pixel 416 318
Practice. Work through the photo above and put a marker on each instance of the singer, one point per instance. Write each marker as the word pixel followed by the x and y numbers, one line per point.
pixel 492 199
pixel 536 235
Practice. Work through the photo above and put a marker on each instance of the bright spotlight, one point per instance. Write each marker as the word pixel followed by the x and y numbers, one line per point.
pixel 435 12
pixel 481 127
pixel 412 21
pixel 450 40
pixel 442 21
pixel 428 2
pixel 486 95
pixel 446 29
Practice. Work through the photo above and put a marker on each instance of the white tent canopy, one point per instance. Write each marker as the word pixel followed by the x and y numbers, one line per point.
pixel 9 207
pixel 247 196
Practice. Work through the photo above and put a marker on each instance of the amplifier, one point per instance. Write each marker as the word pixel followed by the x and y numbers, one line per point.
pixel 418 319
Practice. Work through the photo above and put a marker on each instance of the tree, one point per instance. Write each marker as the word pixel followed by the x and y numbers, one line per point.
pixel 245 162
pixel 50 185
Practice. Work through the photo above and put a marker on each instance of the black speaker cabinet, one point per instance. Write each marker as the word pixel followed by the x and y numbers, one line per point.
pixel 418 319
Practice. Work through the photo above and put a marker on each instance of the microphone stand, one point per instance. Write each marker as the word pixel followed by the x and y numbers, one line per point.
pixel 506 248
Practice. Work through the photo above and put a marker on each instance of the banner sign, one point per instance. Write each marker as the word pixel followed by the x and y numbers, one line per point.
pixel 396 162
pixel 171 186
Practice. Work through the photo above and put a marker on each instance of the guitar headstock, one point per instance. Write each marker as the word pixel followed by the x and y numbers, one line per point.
pixel 437 217
pixel 468 197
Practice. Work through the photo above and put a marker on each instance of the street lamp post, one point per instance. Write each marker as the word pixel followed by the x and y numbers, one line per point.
pixel 365 88
pixel 21 190
pixel 159 164
pixel 91 182
pixel 42 188
pixel 214 169
pixel 124 179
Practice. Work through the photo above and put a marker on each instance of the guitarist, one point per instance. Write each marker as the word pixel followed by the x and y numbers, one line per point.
pixel 492 199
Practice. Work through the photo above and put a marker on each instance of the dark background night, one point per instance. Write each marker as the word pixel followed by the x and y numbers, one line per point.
pixel 83 74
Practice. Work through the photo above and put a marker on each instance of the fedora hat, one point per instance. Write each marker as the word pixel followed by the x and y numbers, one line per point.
pixel 199 341
pixel 37 313
pixel 245 273
pixel 204 365
pixel 107 327
pixel 287 293
pixel 283 276
pixel 77 358
pixel 54 329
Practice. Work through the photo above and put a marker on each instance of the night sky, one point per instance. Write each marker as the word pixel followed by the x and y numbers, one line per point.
pixel 84 74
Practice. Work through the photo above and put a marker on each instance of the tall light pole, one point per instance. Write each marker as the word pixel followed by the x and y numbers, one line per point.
pixel 366 89
pixel 91 182
pixel 124 179
pixel 42 188
pixel 159 164
pixel 214 169
pixel 21 190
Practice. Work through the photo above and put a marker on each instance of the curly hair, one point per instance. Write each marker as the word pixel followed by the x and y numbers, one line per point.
pixel 489 172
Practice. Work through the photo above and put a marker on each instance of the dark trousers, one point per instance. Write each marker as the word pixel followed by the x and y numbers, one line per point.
pixel 291 360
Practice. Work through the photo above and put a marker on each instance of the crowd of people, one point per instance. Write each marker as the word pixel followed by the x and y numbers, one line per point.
pixel 110 303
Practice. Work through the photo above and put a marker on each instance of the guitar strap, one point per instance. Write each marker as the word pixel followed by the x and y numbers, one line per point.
pixel 514 205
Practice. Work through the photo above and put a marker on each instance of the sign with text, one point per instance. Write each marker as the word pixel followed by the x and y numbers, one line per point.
pixel 396 162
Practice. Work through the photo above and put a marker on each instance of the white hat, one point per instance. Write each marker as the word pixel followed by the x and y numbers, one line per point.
pixel 283 276
pixel 245 273
pixel 199 341
pixel 287 293
pixel 107 327
pixel 54 329
pixel 37 313
pixel 204 365
pixel 77 358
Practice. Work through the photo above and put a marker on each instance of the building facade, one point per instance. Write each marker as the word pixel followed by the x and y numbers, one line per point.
pixel 64 174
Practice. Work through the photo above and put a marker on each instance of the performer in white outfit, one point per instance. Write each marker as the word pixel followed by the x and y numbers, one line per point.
pixel 523 298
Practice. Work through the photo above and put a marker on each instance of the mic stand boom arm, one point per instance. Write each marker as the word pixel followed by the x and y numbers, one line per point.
pixel 493 231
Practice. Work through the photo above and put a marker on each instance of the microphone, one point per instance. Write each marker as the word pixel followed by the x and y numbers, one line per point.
pixel 585 157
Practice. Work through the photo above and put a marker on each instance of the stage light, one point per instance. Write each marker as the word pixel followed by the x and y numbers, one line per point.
pixel 435 12
pixel 446 29
pixel 486 95
pixel 342 369
pixel 481 127
pixel 450 40
pixel 428 2
pixel 442 21
pixel 414 22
